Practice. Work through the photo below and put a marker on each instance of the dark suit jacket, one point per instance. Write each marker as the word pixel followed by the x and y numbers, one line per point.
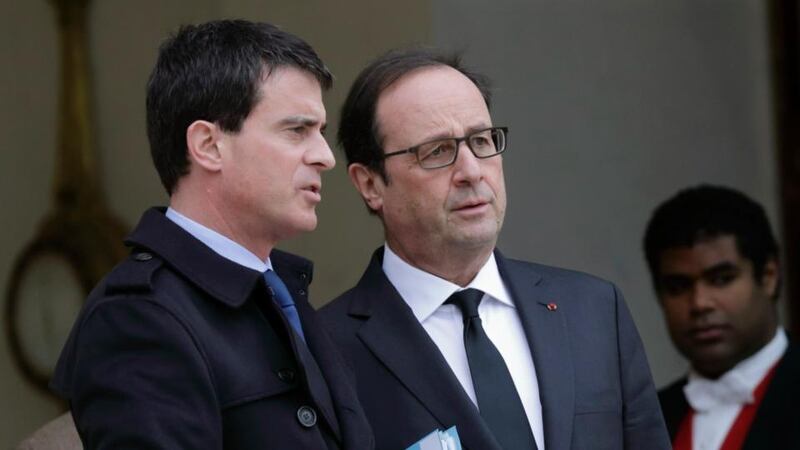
pixel 594 381
pixel 776 425
pixel 180 348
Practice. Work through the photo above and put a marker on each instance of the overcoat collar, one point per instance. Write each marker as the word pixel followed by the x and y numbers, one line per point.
pixel 220 278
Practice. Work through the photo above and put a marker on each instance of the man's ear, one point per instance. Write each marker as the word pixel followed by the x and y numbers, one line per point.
pixel 770 277
pixel 369 184
pixel 202 142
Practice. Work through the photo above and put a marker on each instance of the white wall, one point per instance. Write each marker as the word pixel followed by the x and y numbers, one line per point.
pixel 613 106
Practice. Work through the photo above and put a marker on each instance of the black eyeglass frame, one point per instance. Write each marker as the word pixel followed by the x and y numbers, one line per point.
pixel 459 140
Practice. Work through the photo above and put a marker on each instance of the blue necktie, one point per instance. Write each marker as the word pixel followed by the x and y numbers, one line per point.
pixel 281 296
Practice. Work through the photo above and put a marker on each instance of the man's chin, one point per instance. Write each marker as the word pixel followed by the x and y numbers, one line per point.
pixel 477 239
pixel 308 225
pixel 483 231
pixel 711 359
pixel 300 226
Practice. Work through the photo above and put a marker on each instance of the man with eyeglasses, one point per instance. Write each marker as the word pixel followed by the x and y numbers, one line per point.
pixel 442 329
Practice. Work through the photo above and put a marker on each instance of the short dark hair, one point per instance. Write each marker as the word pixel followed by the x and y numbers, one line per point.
pixel 213 72
pixel 358 128
pixel 705 212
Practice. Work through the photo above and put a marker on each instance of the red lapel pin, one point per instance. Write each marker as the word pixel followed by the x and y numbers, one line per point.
pixel 552 306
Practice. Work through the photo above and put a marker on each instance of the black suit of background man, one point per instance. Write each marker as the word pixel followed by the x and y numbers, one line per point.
pixel 715 266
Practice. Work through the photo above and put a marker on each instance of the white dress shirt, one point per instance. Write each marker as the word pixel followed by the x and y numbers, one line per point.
pixel 425 294
pixel 223 246
pixel 718 402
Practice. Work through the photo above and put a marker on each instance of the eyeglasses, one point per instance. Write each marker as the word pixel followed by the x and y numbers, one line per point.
pixel 443 152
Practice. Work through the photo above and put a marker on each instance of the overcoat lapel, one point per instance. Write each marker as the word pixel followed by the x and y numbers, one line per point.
pixel 354 428
pixel 320 374
pixel 394 336
pixel 546 330
pixel 321 371
pixel 330 381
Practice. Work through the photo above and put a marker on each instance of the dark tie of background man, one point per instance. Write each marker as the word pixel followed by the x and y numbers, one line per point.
pixel 498 400
pixel 280 294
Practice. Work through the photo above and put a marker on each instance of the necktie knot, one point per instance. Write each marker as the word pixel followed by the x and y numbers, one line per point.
pixel 281 296
pixel 278 289
pixel 467 301
pixel 730 389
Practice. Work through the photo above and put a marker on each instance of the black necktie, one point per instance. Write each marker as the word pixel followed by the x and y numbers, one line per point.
pixel 497 397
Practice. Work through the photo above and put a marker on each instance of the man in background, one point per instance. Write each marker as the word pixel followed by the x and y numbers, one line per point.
pixel 714 265
pixel 442 329
pixel 204 338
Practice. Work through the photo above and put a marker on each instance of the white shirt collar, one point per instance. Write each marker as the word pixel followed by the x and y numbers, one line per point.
pixel 222 245
pixel 425 292
pixel 735 386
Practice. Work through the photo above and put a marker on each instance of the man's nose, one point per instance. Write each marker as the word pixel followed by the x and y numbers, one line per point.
pixel 701 298
pixel 321 154
pixel 468 168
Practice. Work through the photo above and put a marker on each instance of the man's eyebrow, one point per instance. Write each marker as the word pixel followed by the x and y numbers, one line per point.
pixel 299 120
pixel 448 135
pixel 722 267
pixel 725 266
pixel 672 277
pixel 476 128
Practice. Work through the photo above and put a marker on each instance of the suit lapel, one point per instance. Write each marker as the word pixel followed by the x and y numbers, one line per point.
pixel 774 425
pixel 548 340
pixel 395 337
pixel 674 406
